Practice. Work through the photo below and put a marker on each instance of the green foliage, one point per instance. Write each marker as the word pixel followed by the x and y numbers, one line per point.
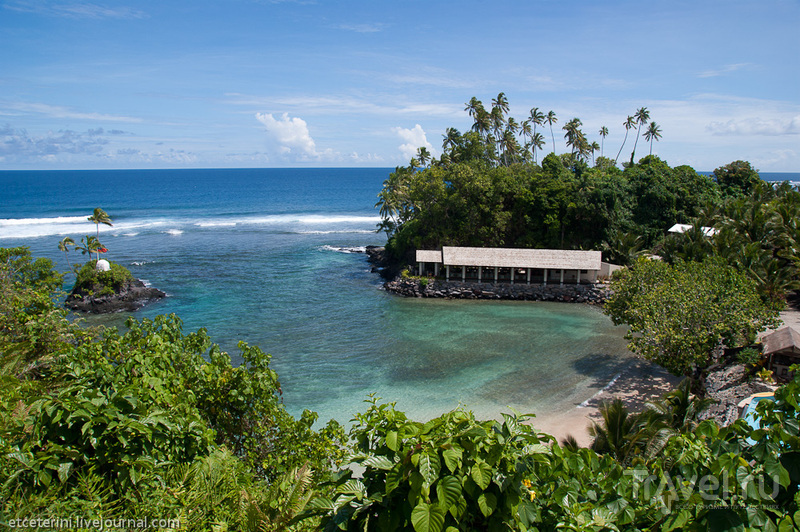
pixel 737 178
pixel 485 191
pixel 452 471
pixel 18 268
pixel 108 424
pixel 105 282
pixel 455 473
pixel 677 314
pixel 748 356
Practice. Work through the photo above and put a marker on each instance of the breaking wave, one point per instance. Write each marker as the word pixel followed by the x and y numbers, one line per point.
pixel 300 223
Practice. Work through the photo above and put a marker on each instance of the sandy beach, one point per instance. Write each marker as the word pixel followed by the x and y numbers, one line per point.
pixel 637 382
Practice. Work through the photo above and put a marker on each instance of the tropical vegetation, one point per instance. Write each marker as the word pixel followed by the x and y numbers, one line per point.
pixel 154 421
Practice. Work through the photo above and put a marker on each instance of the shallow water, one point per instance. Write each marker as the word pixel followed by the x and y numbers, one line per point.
pixel 268 257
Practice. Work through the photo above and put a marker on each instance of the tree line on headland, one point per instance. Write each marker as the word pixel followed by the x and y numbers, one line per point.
pixel 488 190
pixel 157 422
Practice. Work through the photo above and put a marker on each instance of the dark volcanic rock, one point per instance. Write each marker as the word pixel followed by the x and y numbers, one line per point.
pixel 727 386
pixel 131 295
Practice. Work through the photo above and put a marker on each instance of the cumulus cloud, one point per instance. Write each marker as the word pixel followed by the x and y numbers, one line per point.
pixel 414 139
pixel 290 136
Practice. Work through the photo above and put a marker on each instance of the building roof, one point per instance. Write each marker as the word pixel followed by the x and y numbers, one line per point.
pixel 428 255
pixel 785 339
pixel 520 258
pixel 682 228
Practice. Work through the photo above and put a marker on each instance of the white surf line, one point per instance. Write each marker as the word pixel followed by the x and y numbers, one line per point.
pixel 606 387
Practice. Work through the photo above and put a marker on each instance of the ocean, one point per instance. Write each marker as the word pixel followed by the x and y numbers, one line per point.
pixel 272 257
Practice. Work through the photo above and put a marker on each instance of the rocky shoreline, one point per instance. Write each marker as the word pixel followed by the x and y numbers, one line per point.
pixel 132 295
pixel 424 287
pixel 595 293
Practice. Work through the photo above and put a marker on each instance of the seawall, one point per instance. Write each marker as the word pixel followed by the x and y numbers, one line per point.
pixel 420 287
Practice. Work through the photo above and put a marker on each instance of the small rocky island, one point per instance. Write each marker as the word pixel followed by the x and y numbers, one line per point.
pixel 104 287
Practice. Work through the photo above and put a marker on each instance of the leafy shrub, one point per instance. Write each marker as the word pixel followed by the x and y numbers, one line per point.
pixel 748 356
pixel 90 279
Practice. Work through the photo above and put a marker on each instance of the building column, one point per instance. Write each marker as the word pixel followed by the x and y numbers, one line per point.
pixel 529 276
pixel 495 275
pixel 562 276
pixel 448 273
pixel 419 268
pixel 513 273
pixel 436 269
pixel 480 271
pixel 578 272
pixel 544 281
pixel 463 274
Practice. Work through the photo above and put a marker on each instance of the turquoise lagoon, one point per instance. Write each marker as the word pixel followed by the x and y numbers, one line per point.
pixel 272 257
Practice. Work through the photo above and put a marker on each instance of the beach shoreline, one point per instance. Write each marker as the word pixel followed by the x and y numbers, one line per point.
pixel 637 382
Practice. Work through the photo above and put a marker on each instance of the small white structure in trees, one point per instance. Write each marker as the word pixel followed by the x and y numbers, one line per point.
pixel 102 265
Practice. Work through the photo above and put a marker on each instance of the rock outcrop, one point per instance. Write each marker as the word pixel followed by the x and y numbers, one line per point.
pixel 131 295
pixel 727 386
pixel 422 287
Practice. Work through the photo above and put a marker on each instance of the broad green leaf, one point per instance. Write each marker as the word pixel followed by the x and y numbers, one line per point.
pixel 427 517
pixel 378 462
pixel 393 479
pixel 452 458
pixel 448 490
pixel 481 473
pixel 392 441
pixel 429 467
pixel 64 470
pixel 487 502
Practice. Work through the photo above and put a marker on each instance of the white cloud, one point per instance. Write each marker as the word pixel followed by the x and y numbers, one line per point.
pixel 55 111
pixel 724 70
pixel 74 9
pixel 291 138
pixel 414 139
pixel 756 126
pixel 290 134
pixel 18 145
pixel 329 105
pixel 363 28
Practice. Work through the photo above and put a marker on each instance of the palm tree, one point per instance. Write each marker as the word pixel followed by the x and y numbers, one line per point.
pixel 423 155
pixel 603 135
pixel 501 102
pixel 474 106
pixel 537 119
pixel 573 134
pixel 90 245
pixel 100 217
pixel 537 141
pixel 594 146
pixel 552 119
pixel 525 131
pixel 619 432
pixel 450 137
pixel 483 123
pixel 62 246
pixel 653 133
pixel 642 115
pixel 629 123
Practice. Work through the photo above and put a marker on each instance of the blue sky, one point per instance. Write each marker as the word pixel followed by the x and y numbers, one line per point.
pixel 258 83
